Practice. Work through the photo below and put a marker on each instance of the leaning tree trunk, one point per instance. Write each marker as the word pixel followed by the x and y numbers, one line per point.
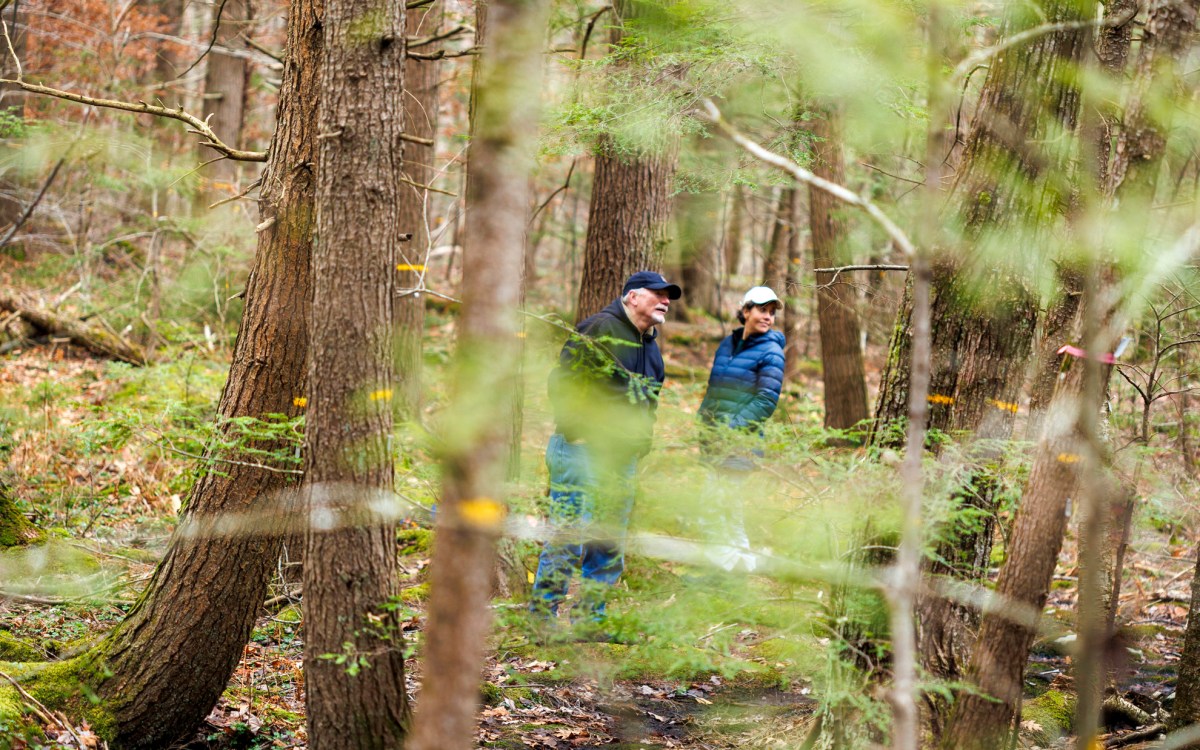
pixel 225 84
pixel 421 120
pixel 841 353
pixel 173 655
pixel 470 512
pixel 350 569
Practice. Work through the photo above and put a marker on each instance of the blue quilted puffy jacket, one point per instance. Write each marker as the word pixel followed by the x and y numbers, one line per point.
pixel 747 375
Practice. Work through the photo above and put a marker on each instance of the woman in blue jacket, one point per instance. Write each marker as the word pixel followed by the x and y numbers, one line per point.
pixel 743 390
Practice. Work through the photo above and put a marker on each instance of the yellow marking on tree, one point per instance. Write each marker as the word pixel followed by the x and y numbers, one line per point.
pixel 1004 405
pixel 418 267
pixel 383 394
pixel 521 334
pixel 483 512
pixel 300 401
pixel 937 398
pixel 1068 458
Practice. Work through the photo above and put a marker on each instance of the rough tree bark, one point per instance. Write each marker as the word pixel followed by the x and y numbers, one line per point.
pixel 1036 537
pixel 841 355
pixel 173 655
pixel 350 569
pixel 628 214
pixel 470 512
pixel 1008 190
pixel 420 119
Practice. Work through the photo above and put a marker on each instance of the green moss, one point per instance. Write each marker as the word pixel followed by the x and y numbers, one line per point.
pixel 414 541
pixel 14 649
pixel 414 594
pixel 290 614
pixel 1047 717
pixel 15 528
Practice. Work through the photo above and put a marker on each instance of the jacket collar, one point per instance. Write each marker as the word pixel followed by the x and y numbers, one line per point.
pixel 617 310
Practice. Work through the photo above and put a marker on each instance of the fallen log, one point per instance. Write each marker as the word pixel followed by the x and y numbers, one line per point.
pixel 93 339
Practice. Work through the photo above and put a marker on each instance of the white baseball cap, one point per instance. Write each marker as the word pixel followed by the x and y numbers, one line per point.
pixel 761 295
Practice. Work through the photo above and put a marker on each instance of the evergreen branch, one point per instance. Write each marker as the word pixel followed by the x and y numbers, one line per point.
pixel 840 192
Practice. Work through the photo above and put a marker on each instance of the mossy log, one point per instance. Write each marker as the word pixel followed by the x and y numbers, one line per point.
pixel 15 528
pixel 94 339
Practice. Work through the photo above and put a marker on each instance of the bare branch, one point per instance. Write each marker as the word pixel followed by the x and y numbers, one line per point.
pixel 868 267
pixel 449 34
pixel 431 188
pixel 982 56
pixel 845 195
pixel 198 126
pixel 443 54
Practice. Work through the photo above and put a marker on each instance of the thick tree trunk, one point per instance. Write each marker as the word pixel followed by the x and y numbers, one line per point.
pixel 782 244
pixel 630 206
pixel 225 85
pixel 1187 694
pixel 172 656
pixel 350 569
pixel 841 354
pixel 983 316
pixel 470 512
pixel 416 211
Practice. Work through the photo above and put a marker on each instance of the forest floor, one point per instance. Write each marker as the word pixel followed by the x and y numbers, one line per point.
pixel 713 660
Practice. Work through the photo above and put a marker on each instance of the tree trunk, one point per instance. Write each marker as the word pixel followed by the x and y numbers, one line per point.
pixel 1187 694
pixel 630 206
pixel 983 316
pixel 629 210
pixel 350 569
pixel 782 243
pixel 793 321
pixel 173 655
pixel 980 720
pixel 732 247
pixel 698 230
pixel 470 512
pixel 420 119
pixel 225 85
pixel 841 355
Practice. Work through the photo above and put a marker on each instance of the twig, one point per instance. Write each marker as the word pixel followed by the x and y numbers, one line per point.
pixel 198 126
pixel 868 267
pixel 803 175
pixel 443 54
pixel 33 204
pixel 42 712
pixel 431 188
pixel 212 459
pixel 422 41
pixel 211 42
pixel 416 139
pixel 587 34
pixel 277 57
pixel 240 195
pixel 566 184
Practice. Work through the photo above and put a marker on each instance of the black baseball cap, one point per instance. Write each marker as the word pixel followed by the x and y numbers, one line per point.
pixel 651 280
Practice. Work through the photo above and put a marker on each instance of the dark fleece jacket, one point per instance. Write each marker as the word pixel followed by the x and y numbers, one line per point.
pixel 605 388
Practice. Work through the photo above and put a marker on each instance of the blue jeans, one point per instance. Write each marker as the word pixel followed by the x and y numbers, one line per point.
pixel 590 496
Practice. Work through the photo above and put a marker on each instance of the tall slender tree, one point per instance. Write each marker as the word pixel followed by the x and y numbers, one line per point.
pixel 474 438
pixel 225 88
pixel 350 569
pixel 841 351
pixel 420 120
